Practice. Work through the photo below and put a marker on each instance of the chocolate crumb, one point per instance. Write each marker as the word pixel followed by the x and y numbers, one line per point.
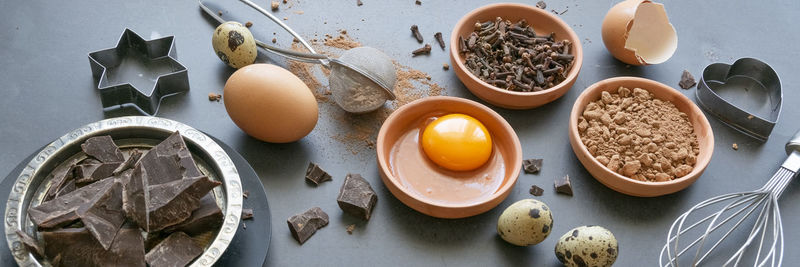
pixel 350 229
pixel 563 185
pixel 687 80
pixel 536 191
pixel 316 175
pixel 541 4
pixel 248 24
pixel 445 66
pixel 274 40
pixel 274 5
pixel 735 146
pixel 359 3
pixel 214 97
pixel 532 165
pixel 418 2
pixel 247 214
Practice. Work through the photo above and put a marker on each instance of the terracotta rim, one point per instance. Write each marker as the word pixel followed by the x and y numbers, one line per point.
pixel 699 166
pixel 516 155
pixel 576 46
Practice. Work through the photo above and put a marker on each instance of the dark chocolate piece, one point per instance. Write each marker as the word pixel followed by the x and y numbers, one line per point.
pixel 563 185
pixel 77 247
pixel 247 214
pixel 102 148
pixel 177 250
pixel 30 243
pixel 536 191
pixel 532 165
pixel 205 218
pixel 98 206
pixel 541 4
pixel 129 162
pixel 316 175
pixel 305 224
pixel 59 177
pixel 687 80
pixel 168 161
pixel 136 196
pixel 356 196
pixel 172 203
pixel 89 173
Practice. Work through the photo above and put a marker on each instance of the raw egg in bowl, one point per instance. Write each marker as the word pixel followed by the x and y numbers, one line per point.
pixel 448 157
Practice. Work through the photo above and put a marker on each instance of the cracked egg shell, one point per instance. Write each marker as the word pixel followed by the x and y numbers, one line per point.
pixel 587 246
pixel 234 44
pixel 526 222
pixel 638 32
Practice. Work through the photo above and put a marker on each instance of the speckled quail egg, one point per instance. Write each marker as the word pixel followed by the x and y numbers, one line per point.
pixel 526 222
pixel 587 246
pixel 234 44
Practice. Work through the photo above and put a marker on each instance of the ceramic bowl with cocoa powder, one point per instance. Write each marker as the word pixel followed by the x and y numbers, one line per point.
pixel 543 22
pixel 637 185
pixel 428 188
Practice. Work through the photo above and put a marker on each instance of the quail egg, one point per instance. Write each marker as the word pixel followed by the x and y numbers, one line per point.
pixel 587 246
pixel 526 222
pixel 234 44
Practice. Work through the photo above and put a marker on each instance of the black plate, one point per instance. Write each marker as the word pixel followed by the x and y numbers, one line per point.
pixel 249 246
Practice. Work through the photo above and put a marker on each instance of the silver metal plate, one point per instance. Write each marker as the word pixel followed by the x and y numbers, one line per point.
pixel 128 132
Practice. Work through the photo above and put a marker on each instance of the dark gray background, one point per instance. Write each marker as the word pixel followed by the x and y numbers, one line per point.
pixel 46 90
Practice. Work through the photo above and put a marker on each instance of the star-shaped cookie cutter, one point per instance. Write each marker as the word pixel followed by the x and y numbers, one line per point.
pixel 114 71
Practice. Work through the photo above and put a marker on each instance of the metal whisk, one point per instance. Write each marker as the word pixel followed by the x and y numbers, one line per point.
pixel 765 238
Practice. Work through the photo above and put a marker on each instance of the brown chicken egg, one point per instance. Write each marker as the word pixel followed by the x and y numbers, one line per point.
pixel 638 32
pixel 270 103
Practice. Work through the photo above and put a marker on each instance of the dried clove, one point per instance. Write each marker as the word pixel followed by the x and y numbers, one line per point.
pixel 423 50
pixel 439 39
pixel 415 32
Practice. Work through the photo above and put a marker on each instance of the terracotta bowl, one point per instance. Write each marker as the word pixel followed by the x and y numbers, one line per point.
pixel 502 135
pixel 543 22
pixel 621 183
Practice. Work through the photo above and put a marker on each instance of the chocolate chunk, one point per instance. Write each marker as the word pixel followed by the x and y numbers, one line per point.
pixel 103 149
pixel 89 173
pixel 316 175
pixel 59 177
pixel 356 196
pixel 563 185
pixel 129 162
pixel 536 191
pixel 137 196
pixel 30 243
pixel 205 218
pixel 168 161
pixel 77 247
pixel 172 203
pixel 305 224
pixel 247 214
pixel 532 165
pixel 687 80
pixel 541 4
pixel 177 250
pixel 98 206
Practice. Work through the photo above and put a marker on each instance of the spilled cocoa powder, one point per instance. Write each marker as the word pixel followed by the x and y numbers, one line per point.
pixel 638 136
pixel 358 131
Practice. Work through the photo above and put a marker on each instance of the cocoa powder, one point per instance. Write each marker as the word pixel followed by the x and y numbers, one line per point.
pixel 638 136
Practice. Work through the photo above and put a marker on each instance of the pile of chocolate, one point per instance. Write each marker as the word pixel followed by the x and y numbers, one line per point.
pixel 149 208
pixel 513 57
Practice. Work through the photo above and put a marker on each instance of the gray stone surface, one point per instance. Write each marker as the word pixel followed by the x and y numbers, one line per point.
pixel 47 90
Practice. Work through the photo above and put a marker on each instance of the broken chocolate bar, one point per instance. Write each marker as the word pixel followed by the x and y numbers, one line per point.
pixel 205 218
pixel 172 203
pixel 59 177
pixel 305 224
pixel 177 250
pixel 247 214
pixel 98 206
pixel 316 175
pixel 687 80
pixel 128 164
pixel 563 185
pixel 536 191
pixel 77 247
pixel 30 243
pixel 89 173
pixel 532 165
pixel 168 161
pixel 103 149
pixel 356 196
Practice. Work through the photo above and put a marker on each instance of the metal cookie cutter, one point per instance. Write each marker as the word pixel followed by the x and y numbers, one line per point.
pixel 138 73
pixel 745 95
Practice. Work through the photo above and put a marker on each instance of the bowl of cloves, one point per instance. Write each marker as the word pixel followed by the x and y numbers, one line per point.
pixel 515 56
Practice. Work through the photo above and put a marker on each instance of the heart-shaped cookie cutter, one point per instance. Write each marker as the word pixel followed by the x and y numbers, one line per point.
pixel 751 71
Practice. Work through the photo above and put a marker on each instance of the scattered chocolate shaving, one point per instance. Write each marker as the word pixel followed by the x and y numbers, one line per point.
pixel 77 247
pixel 247 214
pixel 305 224
pixel 563 185
pixel 532 165
pixel 176 250
pixel 30 243
pixel 536 191
pixel 102 148
pixel 205 218
pixel 356 196
pixel 687 80
pixel 350 229
pixel 418 2
pixel 316 175
pixel 541 4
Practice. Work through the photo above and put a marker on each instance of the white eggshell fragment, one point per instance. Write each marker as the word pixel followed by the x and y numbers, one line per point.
pixel 638 32
pixel 587 246
pixel 526 222
pixel 234 44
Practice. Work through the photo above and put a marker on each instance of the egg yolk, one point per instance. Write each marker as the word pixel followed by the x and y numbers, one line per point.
pixel 457 142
